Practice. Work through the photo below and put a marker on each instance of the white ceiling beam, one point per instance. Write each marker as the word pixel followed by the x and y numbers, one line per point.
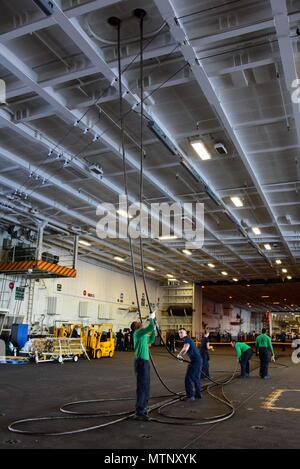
pixel 89 7
pixel 13 91
pixel 169 14
pixel 43 23
pixel 111 95
pixel 84 168
pixel 274 149
pixel 79 217
pixel 37 137
pixel 241 67
pixel 76 33
pixel 201 42
pixel 258 122
pixel 282 25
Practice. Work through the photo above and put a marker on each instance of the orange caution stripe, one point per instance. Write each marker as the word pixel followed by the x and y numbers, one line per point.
pixel 23 266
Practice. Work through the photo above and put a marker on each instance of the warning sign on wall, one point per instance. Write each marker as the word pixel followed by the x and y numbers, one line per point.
pixel 19 295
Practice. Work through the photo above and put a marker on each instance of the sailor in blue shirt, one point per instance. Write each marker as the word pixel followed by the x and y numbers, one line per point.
pixel 192 377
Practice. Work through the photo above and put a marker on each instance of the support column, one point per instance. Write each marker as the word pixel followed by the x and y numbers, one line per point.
pixel 197 311
pixel 75 251
pixel 270 325
pixel 39 249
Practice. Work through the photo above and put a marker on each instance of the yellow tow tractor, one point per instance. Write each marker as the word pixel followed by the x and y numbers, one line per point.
pixel 100 341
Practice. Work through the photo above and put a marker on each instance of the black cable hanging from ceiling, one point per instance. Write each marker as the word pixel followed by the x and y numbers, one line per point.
pixel 140 14
pixel 116 22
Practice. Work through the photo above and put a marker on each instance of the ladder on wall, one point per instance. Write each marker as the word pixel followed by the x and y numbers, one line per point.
pixel 5 293
pixel 30 301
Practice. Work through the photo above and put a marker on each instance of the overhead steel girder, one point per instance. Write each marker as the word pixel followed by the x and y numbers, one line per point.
pixel 16 66
pixel 169 14
pixel 66 188
pixel 238 32
pixel 78 35
pixel 282 26
pixel 13 92
pixel 74 30
pixel 37 137
pixel 201 42
pixel 79 195
pixel 90 222
pixel 56 182
pixel 103 257
pixel 49 21
pixel 48 110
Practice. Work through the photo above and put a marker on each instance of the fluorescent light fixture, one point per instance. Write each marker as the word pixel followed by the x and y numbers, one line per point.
pixel 267 247
pixel 185 281
pixel 256 230
pixel 278 261
pixel 235 279
pixel 276 302
pixel 284 271
pixel 289 277
pixel 187 252
pixel 201 150
pixel 211 265
pixel 265 296
pixel 224 273
pixel 167 237
pixel 150 268
pixel 123 213
pixel 84 243
pixel 170 275
pixel 119 259
pixel 237 201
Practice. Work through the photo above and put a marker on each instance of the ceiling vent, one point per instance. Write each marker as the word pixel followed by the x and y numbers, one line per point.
pixel 285 220
pixel 96 169
pixel 220 148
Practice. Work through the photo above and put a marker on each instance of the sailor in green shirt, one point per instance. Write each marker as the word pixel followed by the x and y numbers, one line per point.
pixel 263 344
pixel 143 336
pixel 244 354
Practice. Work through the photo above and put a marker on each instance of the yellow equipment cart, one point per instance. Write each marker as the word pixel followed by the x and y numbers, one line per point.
pixel 56 349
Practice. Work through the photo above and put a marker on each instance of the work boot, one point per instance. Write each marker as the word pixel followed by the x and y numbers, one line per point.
pixel 142 418
pixel 188 399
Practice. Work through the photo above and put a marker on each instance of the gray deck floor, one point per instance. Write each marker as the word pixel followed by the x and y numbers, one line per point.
pixel 39 390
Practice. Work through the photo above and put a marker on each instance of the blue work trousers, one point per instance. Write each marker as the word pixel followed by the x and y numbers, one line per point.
pixel 192 378
pixel 264 361
pixel 142 371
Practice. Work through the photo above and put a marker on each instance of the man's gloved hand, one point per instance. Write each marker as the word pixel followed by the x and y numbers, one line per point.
pixel 152 315
pixel 179 357
pixel 273 358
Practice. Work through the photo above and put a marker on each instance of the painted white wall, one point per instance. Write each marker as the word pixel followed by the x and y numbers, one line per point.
pixel 107 287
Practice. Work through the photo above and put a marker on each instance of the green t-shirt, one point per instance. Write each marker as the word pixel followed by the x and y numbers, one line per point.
pixel 141 341
pixel 264 340
pixel 240 348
